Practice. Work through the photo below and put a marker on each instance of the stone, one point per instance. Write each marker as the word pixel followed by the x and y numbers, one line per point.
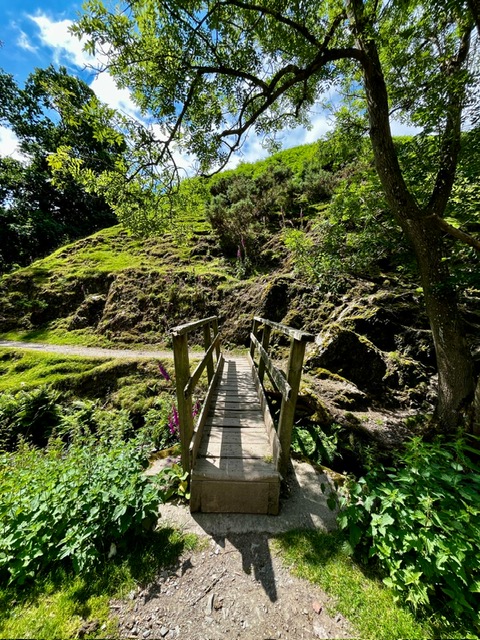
pixel 319 631
pixel 163 631
pixel 317 607
pixel 209 605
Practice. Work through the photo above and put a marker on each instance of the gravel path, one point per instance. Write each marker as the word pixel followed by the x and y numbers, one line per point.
pixel 236 586
pixel 89 352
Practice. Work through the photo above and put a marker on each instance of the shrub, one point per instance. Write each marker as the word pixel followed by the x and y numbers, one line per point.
pixel 421 521
pixel 71 504
pixel 30 415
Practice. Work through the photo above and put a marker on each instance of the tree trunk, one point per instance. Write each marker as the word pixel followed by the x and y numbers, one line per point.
pixel 456 383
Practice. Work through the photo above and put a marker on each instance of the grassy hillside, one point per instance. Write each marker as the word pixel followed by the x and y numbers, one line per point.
pixel 112 288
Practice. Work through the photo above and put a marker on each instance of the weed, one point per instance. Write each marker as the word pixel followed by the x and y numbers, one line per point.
pixel 321 558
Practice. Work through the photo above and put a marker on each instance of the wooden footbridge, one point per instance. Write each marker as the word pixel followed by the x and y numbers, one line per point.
pixel 235 453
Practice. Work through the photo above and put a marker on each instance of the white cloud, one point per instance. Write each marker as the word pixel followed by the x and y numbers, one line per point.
pixel 68 48
pixel 23 42
pixel 9 144
pixel 107 91
pixel 56 35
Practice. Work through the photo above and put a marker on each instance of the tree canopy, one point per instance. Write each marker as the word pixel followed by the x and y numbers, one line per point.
pixel 36 216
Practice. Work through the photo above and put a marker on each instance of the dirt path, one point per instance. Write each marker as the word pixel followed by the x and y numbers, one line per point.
pixel 89 352
pixel 237 586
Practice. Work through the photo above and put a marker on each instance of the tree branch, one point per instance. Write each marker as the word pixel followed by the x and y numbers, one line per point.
pixel 450 145
pixel 277 15
pixel 457 233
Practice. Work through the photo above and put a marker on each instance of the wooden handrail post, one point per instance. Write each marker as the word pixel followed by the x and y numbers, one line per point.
pixel 207 341
pixel 256 324
pixel 287 412
pixel 215 333
pixel 265 344
pixel 182 375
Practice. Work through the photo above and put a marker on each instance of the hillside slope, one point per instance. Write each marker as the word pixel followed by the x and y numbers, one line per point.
pixel 372 365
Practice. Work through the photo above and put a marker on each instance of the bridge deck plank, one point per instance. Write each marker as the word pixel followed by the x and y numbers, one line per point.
pixel 234 471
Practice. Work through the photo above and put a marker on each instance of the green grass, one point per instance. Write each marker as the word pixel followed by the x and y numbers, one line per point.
pixel 59 335
pixel 28 369
pixel 57 605
pixel 362 598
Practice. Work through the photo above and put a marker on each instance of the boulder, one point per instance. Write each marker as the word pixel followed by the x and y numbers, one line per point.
pixel 352 357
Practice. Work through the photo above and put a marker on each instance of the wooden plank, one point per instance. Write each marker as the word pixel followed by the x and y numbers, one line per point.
pixel 226 469
pixel 249 413
pixel 236 497
pixel 236 422
pixel 202 418
pixel 224 396
pixel 287 410
pixel 273 373
pixel 182 329
pixel 232 436
pixel 182 373
pixel 221 449
pixel 296 334
pixel 235 405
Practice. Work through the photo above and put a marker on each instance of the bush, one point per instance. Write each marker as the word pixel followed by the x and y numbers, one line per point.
pixel 30 415
pixel 71 504
pixel 421 521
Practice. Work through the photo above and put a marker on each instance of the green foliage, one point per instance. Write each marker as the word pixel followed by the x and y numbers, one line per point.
pixel 174 482
pixel 420 520
pixel 322 559
pixel 319 445
pixel 354 234
pixel 71 504
pixel 30 416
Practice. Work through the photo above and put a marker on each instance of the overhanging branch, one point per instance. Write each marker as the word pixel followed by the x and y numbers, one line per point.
pixel 466 238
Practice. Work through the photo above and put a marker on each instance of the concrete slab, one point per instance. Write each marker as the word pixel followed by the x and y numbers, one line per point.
pixel 303 506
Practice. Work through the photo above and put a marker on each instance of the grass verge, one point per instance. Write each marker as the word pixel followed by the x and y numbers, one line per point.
pixel 62 605
pixel 360 597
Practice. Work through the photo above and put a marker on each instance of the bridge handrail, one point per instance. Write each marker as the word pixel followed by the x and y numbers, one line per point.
pixel 288 385
pixel 186 382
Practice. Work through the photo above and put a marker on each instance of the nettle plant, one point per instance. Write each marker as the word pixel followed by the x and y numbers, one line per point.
pixel 71 504
pixel 421 521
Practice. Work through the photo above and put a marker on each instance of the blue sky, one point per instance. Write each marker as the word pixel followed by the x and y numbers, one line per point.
pixel 35 33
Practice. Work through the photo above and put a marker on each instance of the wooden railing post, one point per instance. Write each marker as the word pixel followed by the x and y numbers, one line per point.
pixel 265 344
pixel 182 375
pixel 215 333
pixel 256 324
pixel 207 341
pixel 287 412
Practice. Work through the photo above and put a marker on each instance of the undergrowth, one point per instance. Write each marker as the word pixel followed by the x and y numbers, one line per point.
pixel 358 595
pixel 419 520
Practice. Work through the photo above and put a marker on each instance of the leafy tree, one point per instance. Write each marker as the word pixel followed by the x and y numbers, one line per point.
pixel 36 216
pixel 209 71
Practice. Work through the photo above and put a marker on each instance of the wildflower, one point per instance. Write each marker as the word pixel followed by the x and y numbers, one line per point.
pixel 196 409
pixel 163 372
pixel 173 422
